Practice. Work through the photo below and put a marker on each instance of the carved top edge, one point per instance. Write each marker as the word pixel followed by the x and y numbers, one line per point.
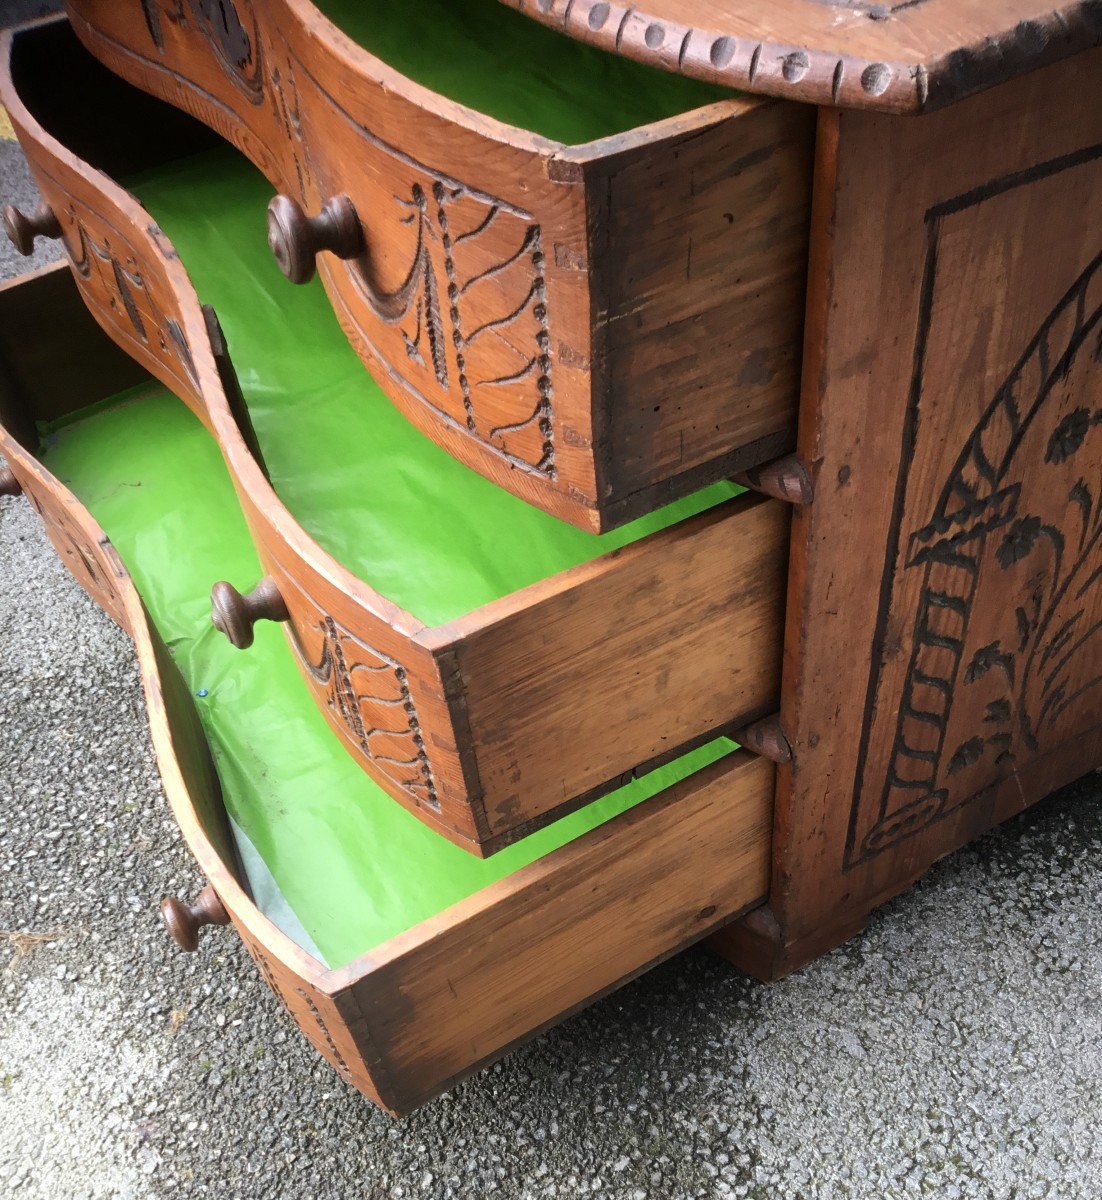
pixel 908 56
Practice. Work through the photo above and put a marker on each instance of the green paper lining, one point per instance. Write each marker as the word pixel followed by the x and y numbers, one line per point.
pixel 397 510
pixel 351 867
pixel 508 66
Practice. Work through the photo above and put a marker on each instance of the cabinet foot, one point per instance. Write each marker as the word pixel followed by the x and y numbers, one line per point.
pixel 756 943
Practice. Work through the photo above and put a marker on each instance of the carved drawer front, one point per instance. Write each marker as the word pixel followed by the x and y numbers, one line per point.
pixel 80 543
pixel 496 724
pixel 598 328
pixel 407 1020
pixel 514 713
pixel 126 270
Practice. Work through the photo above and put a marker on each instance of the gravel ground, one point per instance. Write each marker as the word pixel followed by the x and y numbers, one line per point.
pixel 953 1050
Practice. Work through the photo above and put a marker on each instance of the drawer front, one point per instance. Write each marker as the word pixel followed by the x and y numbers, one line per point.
pixel 598 329
pixel 79 542
pixel 410 1019
pixel 497 724
pixel 381 691
pixel 126 270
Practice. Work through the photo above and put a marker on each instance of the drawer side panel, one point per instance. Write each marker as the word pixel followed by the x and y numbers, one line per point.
pixel 626 659
pixel 568 930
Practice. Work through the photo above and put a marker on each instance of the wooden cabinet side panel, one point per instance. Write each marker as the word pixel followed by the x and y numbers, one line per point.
pixel 528 952
pixel 700 298
pixel 945 608
pixel 626 659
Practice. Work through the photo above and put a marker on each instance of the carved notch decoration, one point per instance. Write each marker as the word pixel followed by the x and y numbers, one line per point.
pixel 466 324
pixel 368 695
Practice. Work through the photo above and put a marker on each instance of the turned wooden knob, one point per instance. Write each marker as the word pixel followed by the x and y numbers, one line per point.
pixel 9 485
pixel 22 230
pixel 235 615
pixel 185 920
pixel 296 239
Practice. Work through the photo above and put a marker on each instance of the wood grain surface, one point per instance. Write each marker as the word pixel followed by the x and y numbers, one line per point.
pixel 943 663
pixel 406 1020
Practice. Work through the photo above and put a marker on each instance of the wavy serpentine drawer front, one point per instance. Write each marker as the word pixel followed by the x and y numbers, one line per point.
pixel 532 693
pixel 406 962
pixel 600 326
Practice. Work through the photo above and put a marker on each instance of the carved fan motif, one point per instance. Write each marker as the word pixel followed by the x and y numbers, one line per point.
pixel 471 311
pixel 370 695
pixel 1017 532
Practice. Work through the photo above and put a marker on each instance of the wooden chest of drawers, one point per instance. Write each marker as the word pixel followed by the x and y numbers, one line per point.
pixel 927 559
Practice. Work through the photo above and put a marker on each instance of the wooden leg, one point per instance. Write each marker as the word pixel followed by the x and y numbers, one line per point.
pixel 756 944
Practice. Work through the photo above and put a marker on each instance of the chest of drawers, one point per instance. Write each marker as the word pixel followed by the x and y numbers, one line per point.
pixel 603 315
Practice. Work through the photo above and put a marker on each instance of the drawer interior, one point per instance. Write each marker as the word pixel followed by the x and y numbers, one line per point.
pixel 329 857
pixel 507 66
pixel 427 532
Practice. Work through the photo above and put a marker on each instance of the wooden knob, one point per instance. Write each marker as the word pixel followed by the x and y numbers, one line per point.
pixel 235 615
pixel 784 479
pixel 296 239
pixel 22 230
pixel 185 920
pixel 9 485
pixel 767 738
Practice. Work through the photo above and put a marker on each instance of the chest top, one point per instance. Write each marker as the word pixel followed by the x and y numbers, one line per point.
pixel 908 56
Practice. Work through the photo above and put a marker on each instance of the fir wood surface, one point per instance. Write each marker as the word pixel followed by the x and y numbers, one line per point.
pixel 943 661
pixel 407 1019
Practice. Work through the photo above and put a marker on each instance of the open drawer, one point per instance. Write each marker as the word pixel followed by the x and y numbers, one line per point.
pixel 489 665
pixel 406 962
pixel 582 276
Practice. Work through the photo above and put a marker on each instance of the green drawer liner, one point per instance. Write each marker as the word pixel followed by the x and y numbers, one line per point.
pixel 351 864
pixel 508 66
pixel 427 532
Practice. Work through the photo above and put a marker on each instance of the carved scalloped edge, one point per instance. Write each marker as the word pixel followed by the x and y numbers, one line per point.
pixel 820 76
